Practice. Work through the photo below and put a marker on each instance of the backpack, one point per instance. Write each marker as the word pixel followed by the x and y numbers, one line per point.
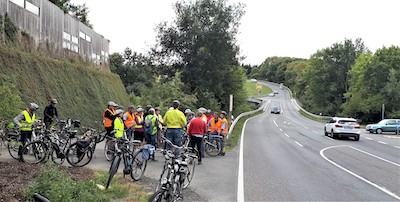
pixel 148 125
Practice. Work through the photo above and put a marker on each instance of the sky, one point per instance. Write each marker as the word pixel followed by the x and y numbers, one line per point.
pixel 293 28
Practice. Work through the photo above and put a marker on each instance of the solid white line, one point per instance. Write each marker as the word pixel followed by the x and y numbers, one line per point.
pixel 240 192
pixel 380 158
pixel 397 147
pixel 382 142
pixel 368 138
pixel 276 124
pixel 287 135
pixel 329 138
pixel 355 175
pixel 280 129
pixel 298 144
pixel 295 121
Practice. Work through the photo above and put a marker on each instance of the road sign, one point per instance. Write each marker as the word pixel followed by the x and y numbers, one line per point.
pixel 258 86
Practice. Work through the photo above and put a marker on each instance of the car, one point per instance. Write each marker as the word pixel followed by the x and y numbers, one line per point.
pixel 343 127
pixel 253 80
pixel 385 125
pixel 275 110
pixel 275 92
pixel 271 95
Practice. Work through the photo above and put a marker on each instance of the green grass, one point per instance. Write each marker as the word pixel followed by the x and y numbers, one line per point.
pixel 237 131
pixel 81 89
pixel 311 117
pixel 252 91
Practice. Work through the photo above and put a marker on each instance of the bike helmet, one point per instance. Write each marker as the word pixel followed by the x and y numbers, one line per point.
pixel 140 110
pixel 53 101
pixel 33 106
pixel 188 111
pixel 202 110
pixel 119 111
pixel 224 113
pixel 111 103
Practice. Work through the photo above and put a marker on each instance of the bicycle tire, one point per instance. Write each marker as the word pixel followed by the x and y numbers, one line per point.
pixel 34 152
pixel 102 136
pixel 191 168
pixel 13 147
pixel 160 195
pixel 163 177
pixel 108 153
pixel 213 147
pixel 139 166
pixel 78 158
pixel 56 159
pixel 113 169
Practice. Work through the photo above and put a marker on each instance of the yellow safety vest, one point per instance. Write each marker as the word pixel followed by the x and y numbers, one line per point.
pixel 140 119
pixel 26 125
pixel 118 127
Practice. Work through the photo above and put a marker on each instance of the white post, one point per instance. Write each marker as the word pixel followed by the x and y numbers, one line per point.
pixel 230 111
pixel 383 111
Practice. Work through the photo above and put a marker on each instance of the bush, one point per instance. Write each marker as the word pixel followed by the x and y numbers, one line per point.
pixel 10 99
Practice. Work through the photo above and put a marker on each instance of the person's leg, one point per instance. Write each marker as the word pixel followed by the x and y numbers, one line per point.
pixel 24 137
pixel 198 142
pixel 129 133
pixel 177 141
pixel 169 135
pixel 223 144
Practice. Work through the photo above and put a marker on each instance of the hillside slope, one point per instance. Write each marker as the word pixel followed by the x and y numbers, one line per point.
pixel 82 91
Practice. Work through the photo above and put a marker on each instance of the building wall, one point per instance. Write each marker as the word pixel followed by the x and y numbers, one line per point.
pixel 58 31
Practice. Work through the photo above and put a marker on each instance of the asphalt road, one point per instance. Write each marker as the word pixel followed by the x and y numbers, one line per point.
pixel 287 158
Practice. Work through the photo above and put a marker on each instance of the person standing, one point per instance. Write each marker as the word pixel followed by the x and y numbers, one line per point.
pixel 139 130
pixel 224 130
pixel 150 133
pixel 160 125
pixel 118 124
pixel 196 132
pixel 215 124
pixel 109 117
pixel 50 113
pixel 129 121
pixel 24 121
pixel 175 121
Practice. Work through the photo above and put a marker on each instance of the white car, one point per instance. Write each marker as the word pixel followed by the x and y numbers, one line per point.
pixel 342 127
pixel 253 80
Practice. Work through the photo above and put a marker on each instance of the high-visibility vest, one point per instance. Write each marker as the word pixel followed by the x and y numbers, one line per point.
pixel 204 117
pixel 130 121
pixel 215 126
pixel 118 127
pixel 26 125
pixel 140 119
pixel 225 130
pixel 106 121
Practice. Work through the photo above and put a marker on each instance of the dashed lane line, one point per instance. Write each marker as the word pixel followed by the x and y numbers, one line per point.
pixel 382 142
pixel 368 138
pixel 281 129
pixel 298 144
pixel 287 135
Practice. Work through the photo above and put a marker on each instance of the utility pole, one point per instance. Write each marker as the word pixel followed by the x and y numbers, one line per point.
pixel 383 111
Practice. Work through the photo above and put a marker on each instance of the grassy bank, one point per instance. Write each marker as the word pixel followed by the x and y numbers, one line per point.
pixel 252 91
pixel 237 131
pixel 311 117
pixel 82 90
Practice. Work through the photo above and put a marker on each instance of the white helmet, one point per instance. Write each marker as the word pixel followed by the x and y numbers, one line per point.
pixel 119 111
pixel 33 106
pixel 188 111
pixel 202 110
pixel 111 103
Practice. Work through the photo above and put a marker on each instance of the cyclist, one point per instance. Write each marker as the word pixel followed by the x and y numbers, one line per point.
pixel 109 117
pixel 196 132
pixel 24 122
pixel 139 130
pixel 203 111
pixel 151 132
pixel 50 113
pixel 118 123
pixel 160 125
pixel 175 121
pixel 208 115
pixel 215 124
pixel 224 130
pixel 129 121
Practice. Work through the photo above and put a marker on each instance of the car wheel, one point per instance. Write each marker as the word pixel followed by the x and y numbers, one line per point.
pixel 333 135
pixel 356 138
pixel 326 133
pixel 370 131
pixel 378 131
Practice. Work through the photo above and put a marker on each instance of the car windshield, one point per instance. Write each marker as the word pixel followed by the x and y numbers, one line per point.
pixel 383 122
pixel 350 122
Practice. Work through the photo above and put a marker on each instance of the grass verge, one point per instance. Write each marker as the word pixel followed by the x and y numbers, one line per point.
pixel 252 91
pixel 311 117
pixel 237 131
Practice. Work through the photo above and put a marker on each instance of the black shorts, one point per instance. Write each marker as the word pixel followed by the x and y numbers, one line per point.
pixel 138 136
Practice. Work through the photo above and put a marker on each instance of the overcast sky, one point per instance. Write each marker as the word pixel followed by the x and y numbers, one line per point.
pixel 294 28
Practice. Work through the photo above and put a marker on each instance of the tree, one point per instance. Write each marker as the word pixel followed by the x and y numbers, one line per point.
pixel 201 42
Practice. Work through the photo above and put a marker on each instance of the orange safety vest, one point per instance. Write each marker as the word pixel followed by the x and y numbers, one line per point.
pixel 106 121
pixel 225 131
pixel 130 121
pixel 215 126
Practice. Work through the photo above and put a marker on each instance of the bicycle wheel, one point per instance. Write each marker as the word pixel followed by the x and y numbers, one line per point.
pixel 57 157
pixel 190 172
pixel 138 166
pixel 163 177
pixel 109 150
pixel 213 147
pixel 102 136
pixel 34 152
pixel 13 146
pixel 78 157
pixel 160 195
pixel 113 169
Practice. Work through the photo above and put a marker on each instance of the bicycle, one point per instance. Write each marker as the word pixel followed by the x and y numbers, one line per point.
pixel 213 144
pixel 81 152
pixel 134 163
pixel 176 174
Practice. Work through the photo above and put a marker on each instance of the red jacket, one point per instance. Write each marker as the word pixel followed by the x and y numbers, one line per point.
pixel 197 126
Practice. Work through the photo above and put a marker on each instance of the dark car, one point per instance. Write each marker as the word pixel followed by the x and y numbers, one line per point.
pixel 275 110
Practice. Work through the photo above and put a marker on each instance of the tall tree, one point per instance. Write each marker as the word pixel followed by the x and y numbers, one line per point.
pixel 202 44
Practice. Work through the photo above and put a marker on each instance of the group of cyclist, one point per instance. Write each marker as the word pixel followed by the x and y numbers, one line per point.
pixel 145 125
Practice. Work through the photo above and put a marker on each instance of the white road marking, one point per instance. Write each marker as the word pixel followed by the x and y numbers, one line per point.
pixel 380 158
pixel 289 123
pixel 287 135
pixel 329 138
pixel 298 144
pixel 315 131
pixel 295 121
pixel 382 142
pixel 368 138
pixel 276 124
pixel 281 129
pixel 284 122
pixel 355 175
pixel 397 147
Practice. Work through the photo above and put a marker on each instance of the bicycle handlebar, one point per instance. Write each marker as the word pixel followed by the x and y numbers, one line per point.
pixel 172 144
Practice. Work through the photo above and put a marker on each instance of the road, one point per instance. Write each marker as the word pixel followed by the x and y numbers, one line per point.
pixel 287 158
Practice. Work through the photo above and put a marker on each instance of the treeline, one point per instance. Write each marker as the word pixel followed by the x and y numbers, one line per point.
pixel 195 60
pixel 345 79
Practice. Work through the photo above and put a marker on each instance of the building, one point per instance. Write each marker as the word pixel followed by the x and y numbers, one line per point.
pixel 55 30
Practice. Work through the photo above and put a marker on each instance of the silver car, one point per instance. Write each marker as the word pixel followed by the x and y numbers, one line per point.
pixel 342 127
